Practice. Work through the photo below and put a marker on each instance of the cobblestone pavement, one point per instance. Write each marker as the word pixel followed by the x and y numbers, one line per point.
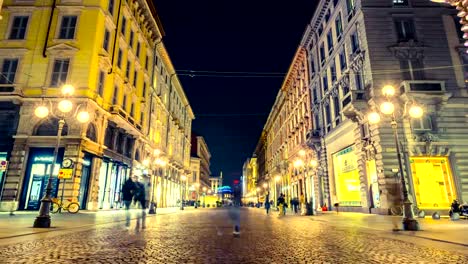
pixel 205 236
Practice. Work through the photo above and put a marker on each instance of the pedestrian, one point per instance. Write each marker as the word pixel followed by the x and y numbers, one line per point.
pixel 296 205
pixel 291 202
pixel 128 190
pixel 234 210
pixel 139 197
pixel 302 203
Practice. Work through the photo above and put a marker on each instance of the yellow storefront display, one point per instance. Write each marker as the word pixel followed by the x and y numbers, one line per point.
pixel 347 177
pixel 433 182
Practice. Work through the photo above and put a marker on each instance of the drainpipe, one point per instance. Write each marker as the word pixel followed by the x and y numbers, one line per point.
pixel 48 29
pixel 115 38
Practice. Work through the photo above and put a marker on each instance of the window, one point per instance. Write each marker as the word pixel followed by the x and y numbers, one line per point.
pixel 142 118
pixel 135 78
pixel 354 42
pixel 320 30
pixel 336 105
pixel 105 42
pixel 327 15
pixel 67 27
pixel 405 29
pixel 100 85
pixel 127 72
pixel 358 79
pixel 124 102
pixel 115 95
pixel 422 124
pixel 312 66
pixel 132 110
pixel 412 69
pixel 138 50
pixel 18 28
pixel 59 72
pixel 316 121
pixel 338 26
pixel 335 2
pixel 325 82
pixel 400 2
pixel 350 7
pixel 327 117
pixel 343 63
pixel 322 54
pixel 147 62
pixel 110 7
pixel 143 93
pixel 119 59
pixel 333 72
pixel 330 42
pixel 123 26
pixel 132 35
pixel 314 91
pixel 8 71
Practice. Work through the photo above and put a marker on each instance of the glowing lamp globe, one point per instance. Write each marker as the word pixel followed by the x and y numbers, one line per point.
pixel 146 162
pixel 313 163
pixel 302 152
pixel 298 163
pixel 277 178
pixel 387 108
pixel 157 152
pixel 204 189
pixel 258 189
pixel 388 90
pixel 373 118
pixel 65 106
pixel 83 117
pixel 416 111
pixel 41 111
pixel 68 90
pixel 183 177
pixel 265 185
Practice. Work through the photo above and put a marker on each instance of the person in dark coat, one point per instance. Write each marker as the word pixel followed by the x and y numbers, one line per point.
pixel 128 190
pixel 267 203
pixel 140 198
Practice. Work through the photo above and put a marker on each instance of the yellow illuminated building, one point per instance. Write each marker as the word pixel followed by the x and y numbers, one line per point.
pixel 112 52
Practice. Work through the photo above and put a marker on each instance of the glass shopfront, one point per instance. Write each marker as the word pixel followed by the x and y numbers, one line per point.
pixel 347 177
pixel 37 176
pixel 111 179
pixel 84 183
pixel 433 182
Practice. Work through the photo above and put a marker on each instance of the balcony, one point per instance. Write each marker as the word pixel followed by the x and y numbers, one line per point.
pixel 117 110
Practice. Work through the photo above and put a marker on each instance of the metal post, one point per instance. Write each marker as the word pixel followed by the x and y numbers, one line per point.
pixel 152 208
pixel 43 219
pixel 409 223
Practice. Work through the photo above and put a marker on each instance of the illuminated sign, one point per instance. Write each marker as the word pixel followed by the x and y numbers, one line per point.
pixel 43 159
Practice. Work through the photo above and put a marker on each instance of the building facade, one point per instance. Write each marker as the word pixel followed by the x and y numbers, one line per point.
pixel 123 78
pixel 349 61
pixel 359 160
pixel 199 149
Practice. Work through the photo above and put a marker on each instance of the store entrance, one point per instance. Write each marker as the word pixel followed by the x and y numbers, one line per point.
pixel 433 182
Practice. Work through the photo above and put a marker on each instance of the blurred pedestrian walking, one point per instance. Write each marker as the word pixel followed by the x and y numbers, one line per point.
pixel 140 199
pixel 128 190
pixel 234 210
pixel 267 203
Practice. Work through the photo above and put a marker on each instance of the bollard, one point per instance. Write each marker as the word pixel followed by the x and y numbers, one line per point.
pixel 422 214
pixel 436 216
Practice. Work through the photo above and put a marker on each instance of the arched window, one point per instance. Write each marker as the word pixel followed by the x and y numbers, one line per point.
pixel 91 132
pixel 49 127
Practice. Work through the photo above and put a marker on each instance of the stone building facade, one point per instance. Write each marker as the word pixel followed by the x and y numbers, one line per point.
pixel 123 77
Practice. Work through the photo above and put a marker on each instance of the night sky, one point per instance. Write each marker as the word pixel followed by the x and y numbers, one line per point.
pixel 255 39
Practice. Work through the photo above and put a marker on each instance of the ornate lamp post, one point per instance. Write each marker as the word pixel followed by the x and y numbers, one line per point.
pixel 65 107
pixel 183 179
pixel 204 194
pixel 160 163
pixel 388 108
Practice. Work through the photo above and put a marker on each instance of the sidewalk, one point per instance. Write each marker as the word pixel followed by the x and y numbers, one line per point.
pixel 21 223
pixel 443 230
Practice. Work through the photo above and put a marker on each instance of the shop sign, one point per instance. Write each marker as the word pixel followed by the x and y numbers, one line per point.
pixel 43 159
pixel 3 165
pixel 65 174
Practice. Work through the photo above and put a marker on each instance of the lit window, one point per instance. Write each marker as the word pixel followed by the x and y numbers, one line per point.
pixel 18 28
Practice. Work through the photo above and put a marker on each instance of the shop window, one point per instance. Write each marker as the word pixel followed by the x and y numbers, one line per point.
pixel 91 132
pixel 433 182
pixel 49 127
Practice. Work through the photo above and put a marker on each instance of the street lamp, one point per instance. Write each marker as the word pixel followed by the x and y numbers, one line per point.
pixel 64 106
pixel 415 111
pixel 183 179
pixel 204 194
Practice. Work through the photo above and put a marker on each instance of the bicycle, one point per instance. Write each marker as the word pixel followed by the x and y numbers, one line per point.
pixel 57 206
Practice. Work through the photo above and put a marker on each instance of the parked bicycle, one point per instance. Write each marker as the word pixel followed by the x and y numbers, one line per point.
pixel 58 206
